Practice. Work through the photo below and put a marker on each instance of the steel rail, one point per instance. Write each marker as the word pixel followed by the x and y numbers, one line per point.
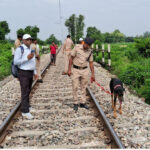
pixel 6 122
pixel 115 141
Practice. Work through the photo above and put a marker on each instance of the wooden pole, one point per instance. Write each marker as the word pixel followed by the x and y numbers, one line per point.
pixel 109 58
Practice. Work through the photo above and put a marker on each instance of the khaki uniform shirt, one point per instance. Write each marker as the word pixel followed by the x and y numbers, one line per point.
pixel 68 44
pixel 80 56
pixel 17 43
pixel 38 49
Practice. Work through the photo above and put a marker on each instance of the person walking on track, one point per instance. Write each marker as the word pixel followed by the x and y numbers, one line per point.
pixel 81 55
pixel 18 41
pixel 34 46
pixel 67 47
pixel 53 48
pixel 81 41
pixel 17 44
pixel 24 58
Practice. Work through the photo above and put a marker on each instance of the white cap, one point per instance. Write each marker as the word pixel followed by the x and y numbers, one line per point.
pixel 80 39
pixel 27 36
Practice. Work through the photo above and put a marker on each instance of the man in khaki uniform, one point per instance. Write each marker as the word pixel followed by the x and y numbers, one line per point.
pixel 38 62
pixel 17 43
pixel 67 47
pixel 81 55
pixel 81 41
pixel 35 47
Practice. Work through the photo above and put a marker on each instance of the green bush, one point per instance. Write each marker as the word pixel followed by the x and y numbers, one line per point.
pixel 97 42
pixel 134 75
pixel 145 91
pixel 133 69
pixel 5 59
pixel 143 46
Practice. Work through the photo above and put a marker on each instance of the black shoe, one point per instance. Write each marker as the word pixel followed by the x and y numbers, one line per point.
pixel 75 107
pixel 40 80
pixel 84 106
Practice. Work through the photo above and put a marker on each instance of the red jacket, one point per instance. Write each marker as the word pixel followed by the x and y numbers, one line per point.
pixel 53 49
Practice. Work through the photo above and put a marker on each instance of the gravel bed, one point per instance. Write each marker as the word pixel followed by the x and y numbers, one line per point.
pixel 55 123
pixel 133 126
pixel 10 91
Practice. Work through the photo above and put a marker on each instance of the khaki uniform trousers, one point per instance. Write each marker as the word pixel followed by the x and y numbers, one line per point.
pixel 67 57
pixel 38 68
pixel 79 79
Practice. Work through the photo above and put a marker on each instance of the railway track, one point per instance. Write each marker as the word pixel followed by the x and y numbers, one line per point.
pixel 55 124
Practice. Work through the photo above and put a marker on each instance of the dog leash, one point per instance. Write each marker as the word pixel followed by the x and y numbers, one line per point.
pixel 102 88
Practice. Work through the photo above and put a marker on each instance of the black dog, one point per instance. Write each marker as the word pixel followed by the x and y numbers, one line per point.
pixel 117 90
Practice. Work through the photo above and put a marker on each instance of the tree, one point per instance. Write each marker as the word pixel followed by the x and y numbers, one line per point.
pixel 118 36
pixel 32 30
pixel 75 26
pixel 114 37
pixel 20 32
pixel 146 34
pixel 79 27
pixel 94 33
pixel 4 29
pixel 108 38
pixel 40 41
pixel 51 39
pixel 129 39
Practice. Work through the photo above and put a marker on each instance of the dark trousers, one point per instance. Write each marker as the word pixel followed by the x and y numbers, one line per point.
pixel 53 58
pixel 26 79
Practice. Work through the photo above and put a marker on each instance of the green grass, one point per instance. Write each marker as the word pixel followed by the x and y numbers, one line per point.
pixel 130 67
pixel 5 60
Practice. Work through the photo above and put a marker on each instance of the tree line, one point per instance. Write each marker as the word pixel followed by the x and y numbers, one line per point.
pixel 32 30
pixel 75 25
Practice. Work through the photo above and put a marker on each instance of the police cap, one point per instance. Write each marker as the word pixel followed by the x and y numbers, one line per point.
pixel 88 41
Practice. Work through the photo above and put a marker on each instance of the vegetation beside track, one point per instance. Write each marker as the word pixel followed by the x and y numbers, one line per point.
pixel 131 63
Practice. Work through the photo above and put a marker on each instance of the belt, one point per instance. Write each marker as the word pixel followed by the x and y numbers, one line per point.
pixel 67 49
pixel 77 67
pixel 26 70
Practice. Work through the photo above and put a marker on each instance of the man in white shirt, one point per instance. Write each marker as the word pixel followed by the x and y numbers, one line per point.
pixel 27 69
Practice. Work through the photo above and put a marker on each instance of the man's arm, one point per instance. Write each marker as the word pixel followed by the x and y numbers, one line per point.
pixel 56 46
pixel 70 64
pixel 72 45
pixel 92 71
pixel 64 47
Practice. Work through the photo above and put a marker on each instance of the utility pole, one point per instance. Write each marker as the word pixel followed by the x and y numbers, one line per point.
pixel 60 17
pixel 75 24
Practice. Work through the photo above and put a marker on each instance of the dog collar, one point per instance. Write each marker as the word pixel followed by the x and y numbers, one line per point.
pixel 117 86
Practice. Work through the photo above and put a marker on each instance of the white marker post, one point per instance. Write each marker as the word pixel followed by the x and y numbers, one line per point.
pixel 97 49
pixel 103 59
pixel 109 58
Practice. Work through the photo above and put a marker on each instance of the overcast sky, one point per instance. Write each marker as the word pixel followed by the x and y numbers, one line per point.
pixel 132 17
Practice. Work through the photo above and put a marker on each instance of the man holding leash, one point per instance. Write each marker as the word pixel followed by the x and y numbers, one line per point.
pixel 81 55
